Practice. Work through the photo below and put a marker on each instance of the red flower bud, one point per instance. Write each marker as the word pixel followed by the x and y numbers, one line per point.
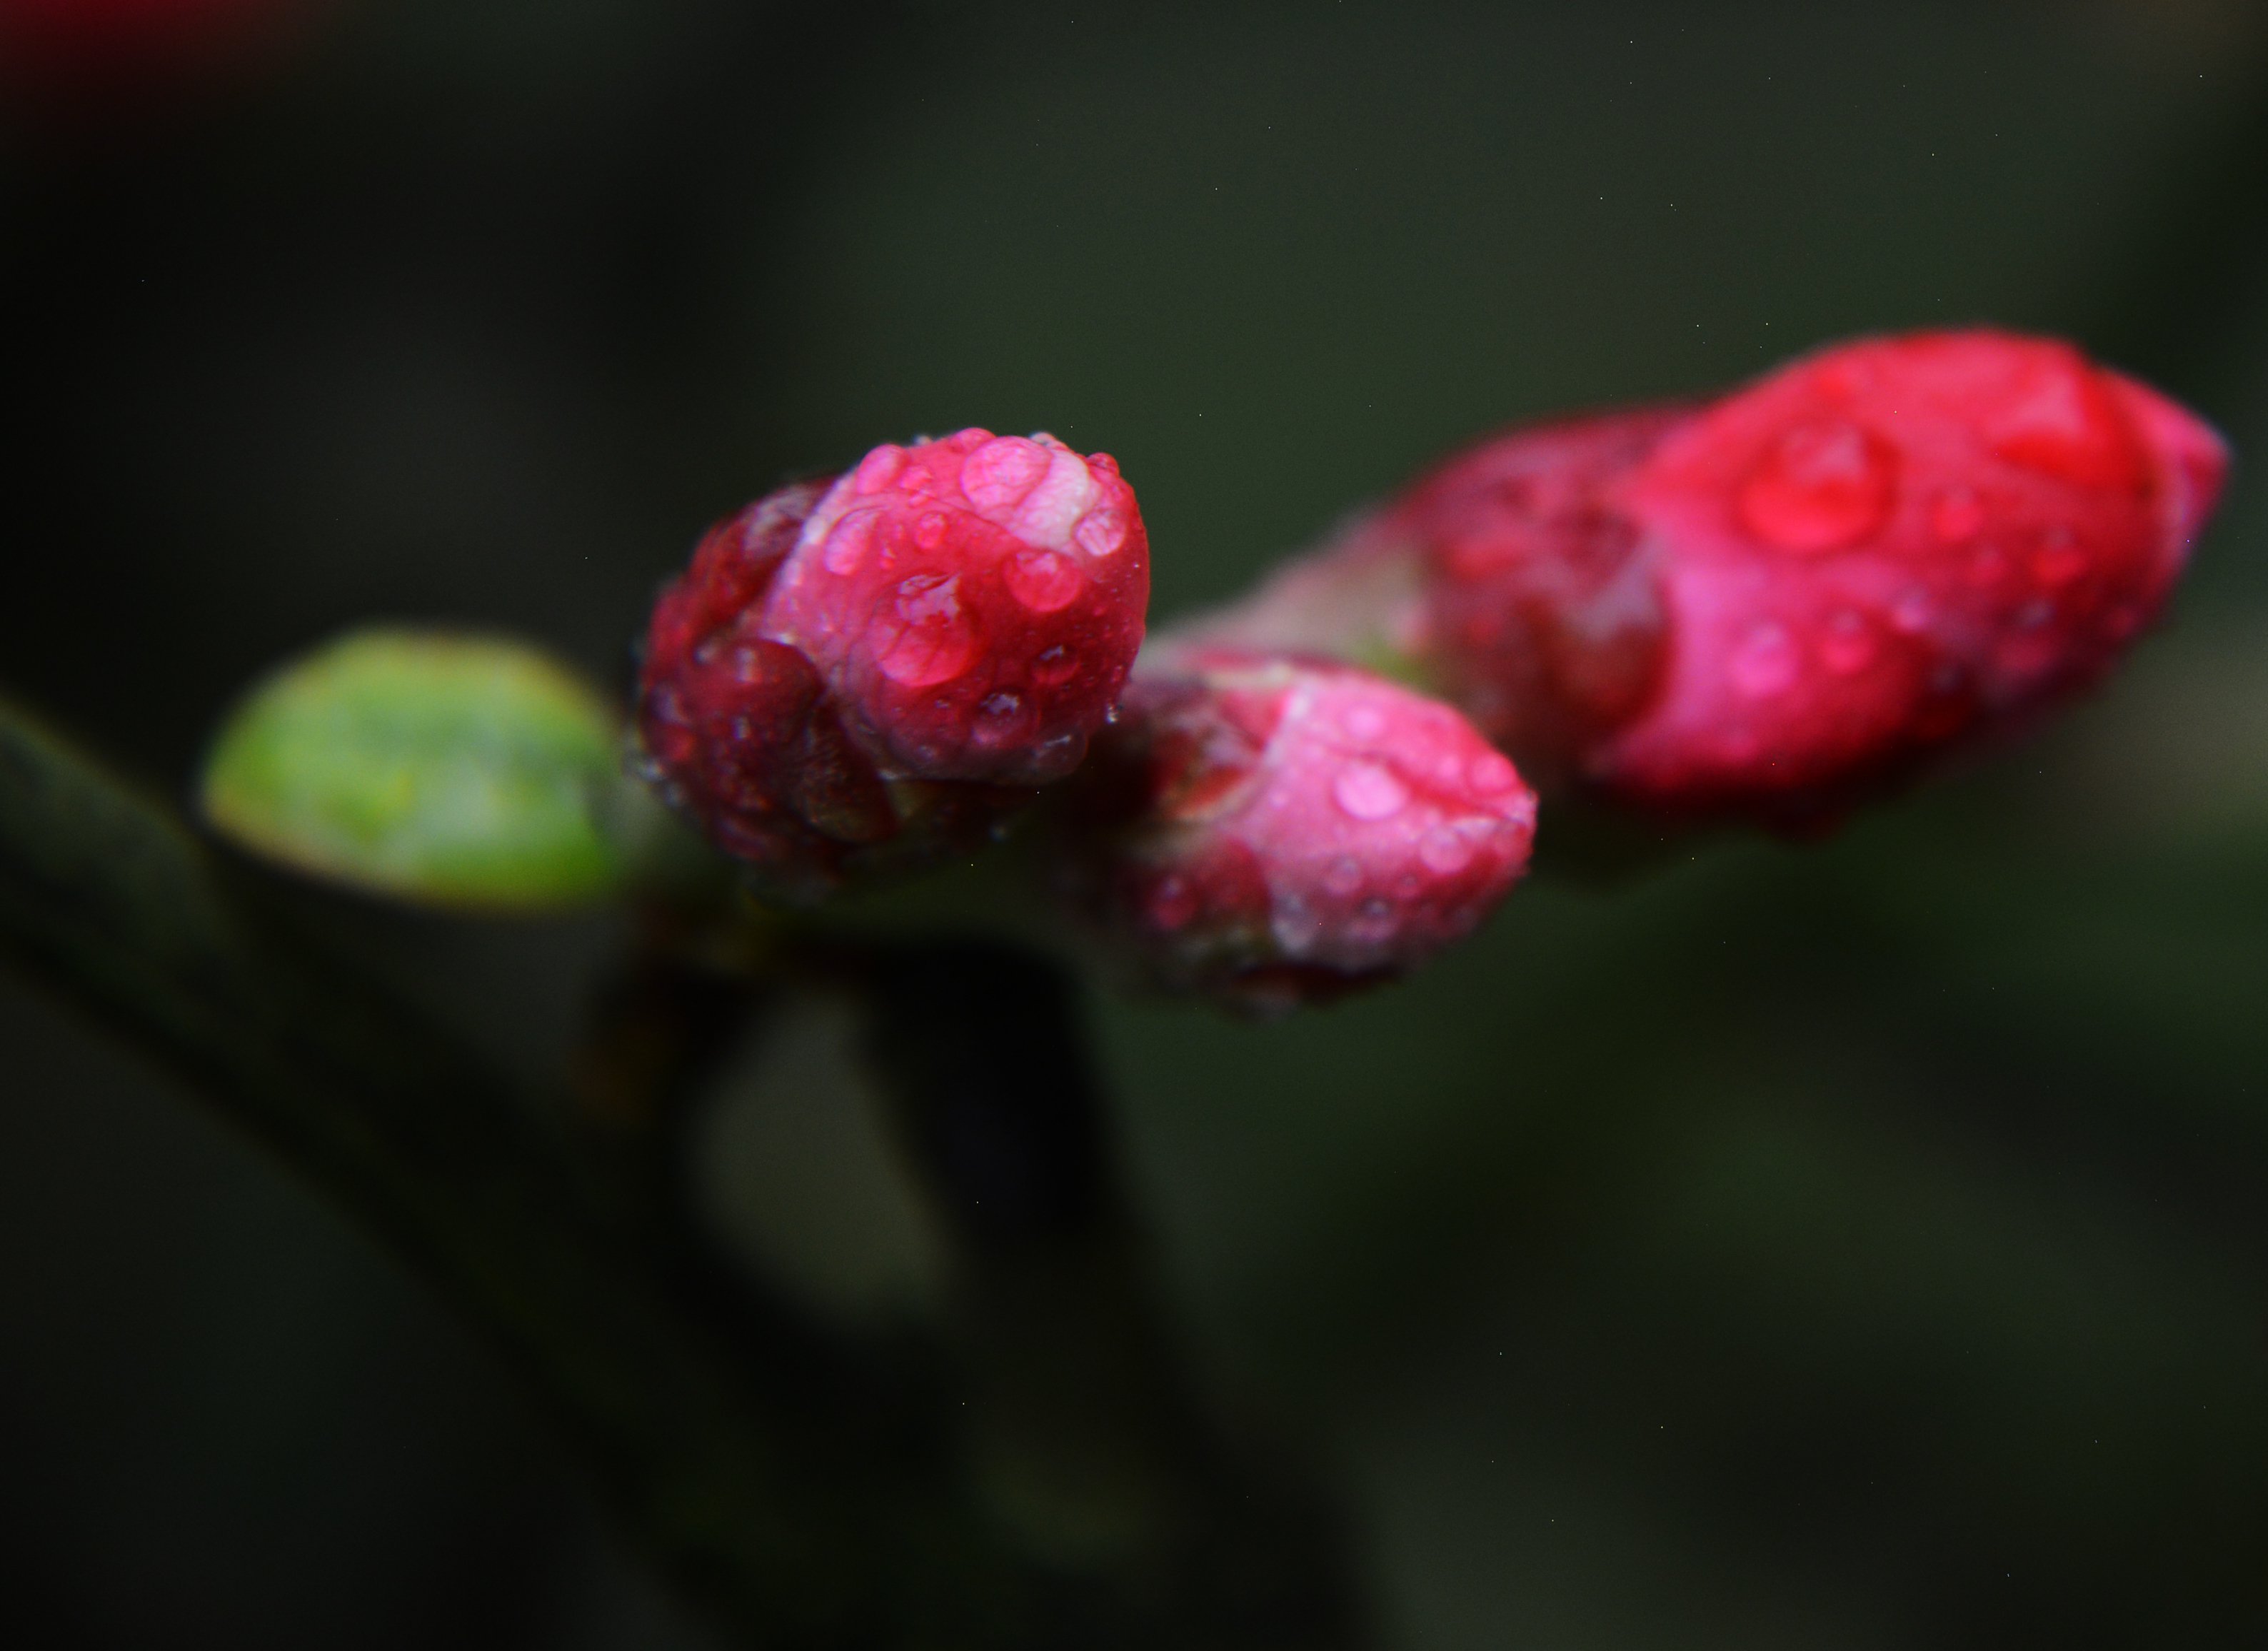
pixel 1795 595
pixel 874 670
pixel 1541 611
pixel 1279 829
pixel 973 604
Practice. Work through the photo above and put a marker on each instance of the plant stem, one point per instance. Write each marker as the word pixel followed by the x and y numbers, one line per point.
pixel 808 1489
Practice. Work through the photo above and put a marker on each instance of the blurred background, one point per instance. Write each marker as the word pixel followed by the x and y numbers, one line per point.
pixel 1860 1245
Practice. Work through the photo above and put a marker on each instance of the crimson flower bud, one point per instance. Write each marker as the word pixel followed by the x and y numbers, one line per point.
pixel 1785 600
pixel 1891 545
pixel 973 604
pixel 1278 829
pixel 872 671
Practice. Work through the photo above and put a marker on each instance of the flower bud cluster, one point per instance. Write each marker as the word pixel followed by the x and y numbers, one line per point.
pixel 876 670
pixel 1786 600
pixel 1273 829
pixel 1772 605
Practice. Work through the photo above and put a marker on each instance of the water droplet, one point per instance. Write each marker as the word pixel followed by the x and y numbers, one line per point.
pixel 1048 512
pixel 2059 560
pixel 1847 643
pixel 1368 792
pixel 1044 580
pixel 1343 876
pixel 879 469
pixel 747 666
pixel 2024 656
pixel 1055 666
pixel 1765 662
pixel 1957 515
pixel 1363 723
pixel 1911 610
pixel 1373 923
pixel 1172 904
pixel 1101 531
pixel 998 473
pixel 848 542
pixel 1295 925
pixel 1054 757
pixel 929 529
pixel 2062 423
pixel 1491 774
pixel 1821 486
pixel 1002 718
pixel 1445 849
pixel 929 638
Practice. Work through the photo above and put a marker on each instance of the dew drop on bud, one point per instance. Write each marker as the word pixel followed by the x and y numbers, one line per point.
pixel 1911 610
pixel 1847 645
pixel 1343 876
pixel 1491 774
pixel 1821 486
pixel 998 473
pixel 1956 516
pixel 2064 425
pixel 929 529
pixel 1765 662
pixel 1056 665
pixel 930 640
pixel 1002 718
pixel 879 469
pixel 1044 580
pixel 2058 561
pixel 1364 723
pixel 1367 791
pixel 1101 531
pixel 1445 850
pixel 1988 566
pixel 1171 904
pixel 847 543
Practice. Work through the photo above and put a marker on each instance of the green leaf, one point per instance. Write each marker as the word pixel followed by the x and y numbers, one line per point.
pixel 451 769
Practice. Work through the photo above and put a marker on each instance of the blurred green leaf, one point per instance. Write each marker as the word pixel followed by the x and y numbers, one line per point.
pixel 451 769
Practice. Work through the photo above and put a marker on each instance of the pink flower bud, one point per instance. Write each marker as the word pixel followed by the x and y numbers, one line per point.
pixel 872 671
pixel 973 604
pixel 1788 598
pixel 1540 614
pixel 1890 546
pixel 737 728
pixel 1274 830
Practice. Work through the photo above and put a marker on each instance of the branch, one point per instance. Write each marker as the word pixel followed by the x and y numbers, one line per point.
pixel 798 1491
pixel 809 1490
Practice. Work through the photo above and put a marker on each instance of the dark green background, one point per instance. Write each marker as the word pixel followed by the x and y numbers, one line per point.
pixel 1859 1245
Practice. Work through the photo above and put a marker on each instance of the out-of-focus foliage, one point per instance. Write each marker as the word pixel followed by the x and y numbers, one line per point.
pixel 1854 1243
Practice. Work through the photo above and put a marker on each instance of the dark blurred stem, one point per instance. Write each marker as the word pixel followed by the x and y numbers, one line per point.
pixel 1086 1436
pixel 810 1491
pixel 795 1490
